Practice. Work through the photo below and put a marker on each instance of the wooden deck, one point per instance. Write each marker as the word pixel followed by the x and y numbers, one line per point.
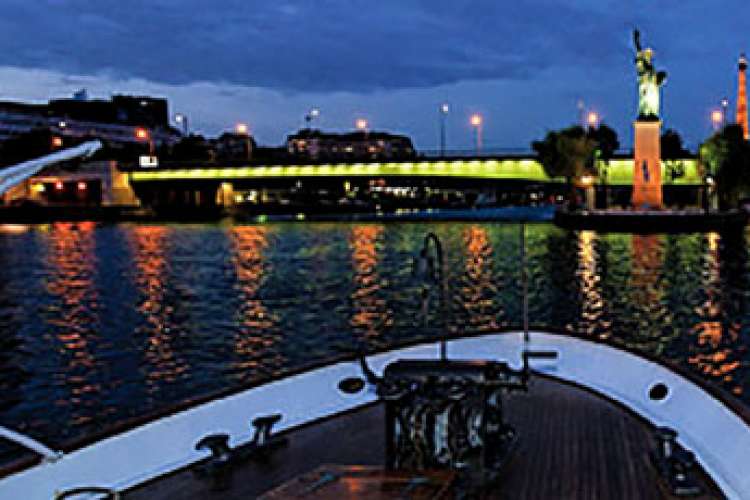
pixel 573 445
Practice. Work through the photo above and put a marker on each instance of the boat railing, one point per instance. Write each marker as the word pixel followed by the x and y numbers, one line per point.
pixel 47 453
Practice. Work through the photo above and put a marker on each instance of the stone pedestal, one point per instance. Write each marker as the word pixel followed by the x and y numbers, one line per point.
pixel 647 165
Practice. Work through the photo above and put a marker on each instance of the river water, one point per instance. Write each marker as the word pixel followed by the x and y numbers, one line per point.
pixel 102 323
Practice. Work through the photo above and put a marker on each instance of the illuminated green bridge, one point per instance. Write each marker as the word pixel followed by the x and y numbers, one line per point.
pixel 618 171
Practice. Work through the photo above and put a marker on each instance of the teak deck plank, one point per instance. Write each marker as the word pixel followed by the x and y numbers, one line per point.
pixel 573 444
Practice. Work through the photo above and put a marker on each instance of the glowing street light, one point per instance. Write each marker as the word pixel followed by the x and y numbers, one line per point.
pixel 311 115
pixel 592 118
pixel 361 124
pixel 717 118
pixel 242 129
pixel 182 119
pixel 141 134
pixel 57 142
pixel 444 109
pixel 476 122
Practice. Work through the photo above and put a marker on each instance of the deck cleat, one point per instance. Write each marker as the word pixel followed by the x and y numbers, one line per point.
pixel 218 466
pixel 675 464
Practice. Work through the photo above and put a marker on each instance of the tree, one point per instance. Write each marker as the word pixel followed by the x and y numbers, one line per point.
pixel 726 157
pixel 673 153
pixel 606 140
pixel 567 153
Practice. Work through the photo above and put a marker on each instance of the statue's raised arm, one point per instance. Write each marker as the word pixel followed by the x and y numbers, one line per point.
pixel 637 40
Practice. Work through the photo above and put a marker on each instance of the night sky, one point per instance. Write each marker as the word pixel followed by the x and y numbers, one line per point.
pixel 524 65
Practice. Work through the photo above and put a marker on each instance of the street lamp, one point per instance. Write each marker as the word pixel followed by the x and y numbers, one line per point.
pixel 707 188
pixel 182 119
pixel 592 118
pixel 724 110
pixel 242 129
pixel 476 122
pixel 444 109
pixel 361 124
pixel 581 108
pixel 717 118
pixel 311 115
pixel 142 135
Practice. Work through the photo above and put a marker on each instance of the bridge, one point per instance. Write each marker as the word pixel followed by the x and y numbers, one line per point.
pixel 506 180
pixel 618 171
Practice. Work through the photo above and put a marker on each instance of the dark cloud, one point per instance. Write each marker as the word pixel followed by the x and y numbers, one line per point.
pixel 322 45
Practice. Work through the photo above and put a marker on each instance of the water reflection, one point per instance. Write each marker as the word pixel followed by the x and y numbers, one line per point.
pixel 478 293
pixel 73 316
pixel 715 353
pixel 257 338
pixel 648 313
pixel 590 321
pixel 370 314
pixel 165 365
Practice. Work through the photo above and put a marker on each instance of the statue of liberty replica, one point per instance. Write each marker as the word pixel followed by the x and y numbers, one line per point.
pixel 649 80
pixel 647 192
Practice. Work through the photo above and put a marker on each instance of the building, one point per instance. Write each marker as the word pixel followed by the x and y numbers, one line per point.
pixel 115 121
pixel 234 146
pixel 17 118
pixel 311 144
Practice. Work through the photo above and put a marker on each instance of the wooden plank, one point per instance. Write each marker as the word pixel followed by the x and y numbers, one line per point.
pixel 365 483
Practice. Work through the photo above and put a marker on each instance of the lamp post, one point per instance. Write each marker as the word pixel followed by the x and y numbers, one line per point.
pixel 244 130
pixel 361 124
pixel 708 187
pixel 182 120
pixel 142 134
pixel 717 118
pixel 592 118
pixel 311 115
pixel 476 122
pixel 581 108
pixel 724 111
pixel 444 109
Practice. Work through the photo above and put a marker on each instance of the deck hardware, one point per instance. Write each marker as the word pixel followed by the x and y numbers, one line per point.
pixel 351 385
pixel 430 266
pixel 218 467
pixel 370 376
pixel 263 426
pixel 449 414
pixel 110 493
pixel 658 392
pixel 675 464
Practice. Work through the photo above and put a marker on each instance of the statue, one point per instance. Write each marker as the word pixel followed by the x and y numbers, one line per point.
pixel 649 81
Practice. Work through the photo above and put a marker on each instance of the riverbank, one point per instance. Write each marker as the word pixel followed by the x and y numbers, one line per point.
pixel 651 221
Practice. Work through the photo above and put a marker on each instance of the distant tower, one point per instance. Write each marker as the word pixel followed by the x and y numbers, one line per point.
pixel 742 97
